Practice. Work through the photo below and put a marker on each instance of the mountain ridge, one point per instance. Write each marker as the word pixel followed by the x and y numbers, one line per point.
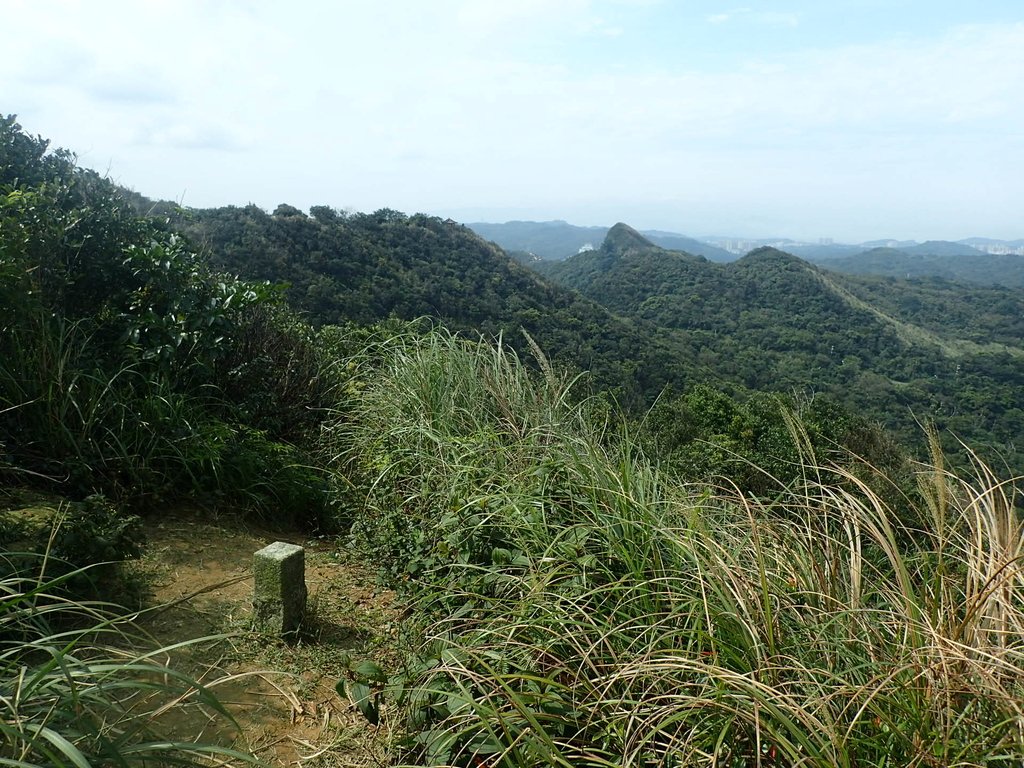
pixel 369 267
pixel 775 322
pixel 557 240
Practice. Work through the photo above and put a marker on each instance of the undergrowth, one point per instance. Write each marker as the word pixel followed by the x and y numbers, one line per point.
pixel 129 368
pixel 80 687
pixel 579 609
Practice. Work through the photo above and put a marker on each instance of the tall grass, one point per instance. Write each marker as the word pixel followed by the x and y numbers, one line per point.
pixel 582 610
pixel 70 422
pixel 69 419
pixel 75 690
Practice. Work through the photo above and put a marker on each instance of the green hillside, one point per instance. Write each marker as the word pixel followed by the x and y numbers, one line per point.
pixel 639 318
pixel 557 240
pixel 982 269
pixel 364 268
pixel 901 352
pixel 959 316
pixel 535 577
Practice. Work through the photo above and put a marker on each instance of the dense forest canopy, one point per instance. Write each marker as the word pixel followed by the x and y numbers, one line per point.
pixel 902 352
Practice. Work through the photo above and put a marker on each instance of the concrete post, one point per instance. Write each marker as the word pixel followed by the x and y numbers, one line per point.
pixel 279 599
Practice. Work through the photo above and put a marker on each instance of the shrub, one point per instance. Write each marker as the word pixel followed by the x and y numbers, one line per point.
pixel 276 480
pixel 127 367
pixel 272 374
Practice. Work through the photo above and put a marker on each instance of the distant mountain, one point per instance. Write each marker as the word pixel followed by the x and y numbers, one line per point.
pixel 895 350
pixel 977 267
pixel 674 242
pixel 888 244
pixel 988 241
pixel 557 240
pixel 970 246
pixel 546 239
pixel 943 248
pixel 764 303
pixel 822 252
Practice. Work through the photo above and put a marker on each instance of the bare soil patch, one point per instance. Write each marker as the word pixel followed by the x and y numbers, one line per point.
pixel 198 569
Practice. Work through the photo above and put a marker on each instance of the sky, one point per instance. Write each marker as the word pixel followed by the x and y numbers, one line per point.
pixel 853 120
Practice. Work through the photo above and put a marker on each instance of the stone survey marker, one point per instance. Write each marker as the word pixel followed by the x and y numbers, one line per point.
pixel 279 598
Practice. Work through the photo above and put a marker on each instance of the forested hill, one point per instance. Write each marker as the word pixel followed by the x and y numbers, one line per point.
pixel 367 267
pixel 639 318
pixel 899 351
pixel 767 319
pixel 557 240
pixel 983 269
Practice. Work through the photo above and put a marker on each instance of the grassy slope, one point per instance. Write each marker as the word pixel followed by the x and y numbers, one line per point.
pixel 581 610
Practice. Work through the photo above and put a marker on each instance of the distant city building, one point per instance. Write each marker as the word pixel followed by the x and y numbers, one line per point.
pixel 998 249
pixel 741 246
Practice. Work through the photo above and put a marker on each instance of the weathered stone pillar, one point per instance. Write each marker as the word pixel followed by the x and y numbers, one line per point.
pixel 279 599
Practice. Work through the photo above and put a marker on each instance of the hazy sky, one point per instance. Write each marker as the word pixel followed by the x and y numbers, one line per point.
pixel 811 118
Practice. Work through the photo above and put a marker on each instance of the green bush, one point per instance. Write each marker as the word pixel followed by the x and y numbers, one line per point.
pixel 273 375
pixel 277 480
pixel 127 367
pixel 94 531
pixel 89 539
pixel 761 445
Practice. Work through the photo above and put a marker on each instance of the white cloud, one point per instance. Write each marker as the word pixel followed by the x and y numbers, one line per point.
pixel 438 106
pixel 599 27
pixel 477 18
pixel 139 86
pixel 767 18
pixel 181 135
pixel 722 18
pixel 778 19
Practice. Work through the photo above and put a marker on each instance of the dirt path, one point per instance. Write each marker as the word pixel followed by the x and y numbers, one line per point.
pixel 198 569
